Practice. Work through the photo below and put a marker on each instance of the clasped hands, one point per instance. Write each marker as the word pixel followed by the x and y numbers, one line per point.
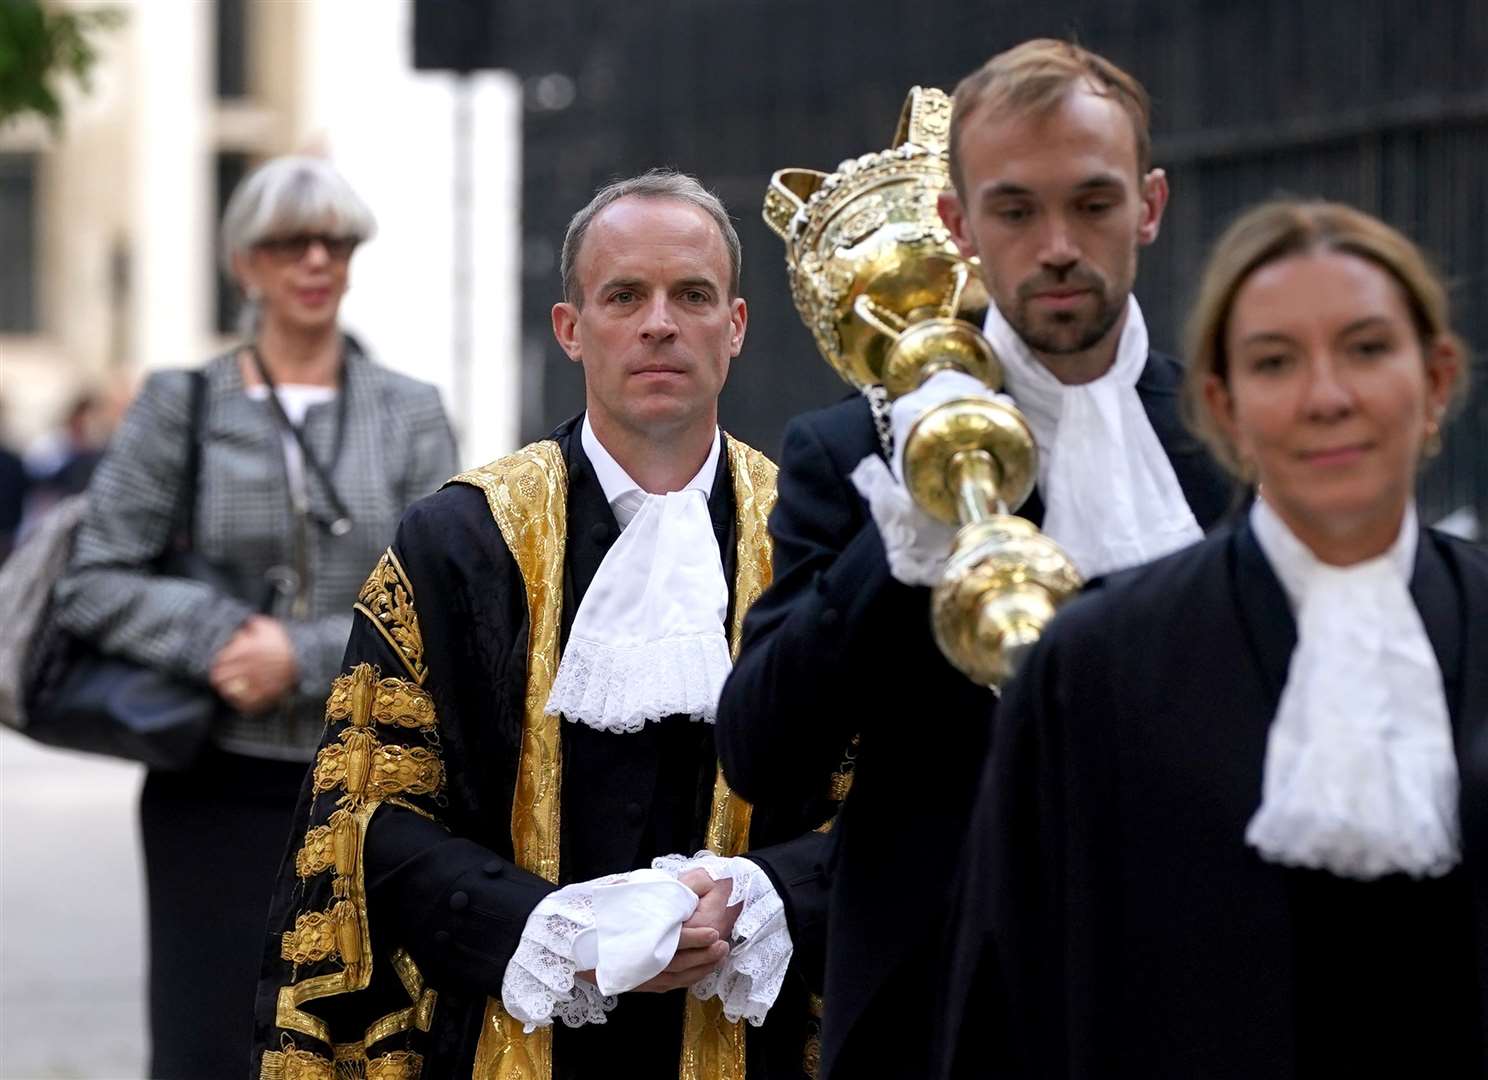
pixel 257 666
pixel 703 943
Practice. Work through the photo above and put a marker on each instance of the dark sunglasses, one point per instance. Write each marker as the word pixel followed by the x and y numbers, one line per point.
pixel 292 248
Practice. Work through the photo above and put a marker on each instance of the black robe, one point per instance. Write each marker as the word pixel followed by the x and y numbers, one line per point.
pixel 439 873
pixel 836 647
pixel 1133 933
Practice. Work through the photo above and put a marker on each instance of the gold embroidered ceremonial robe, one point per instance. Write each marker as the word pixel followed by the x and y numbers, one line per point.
pixel 444 803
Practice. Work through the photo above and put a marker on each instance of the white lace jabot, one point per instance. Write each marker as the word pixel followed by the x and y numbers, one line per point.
pixel 1360 775
pixel 1111 498
pixel 648 640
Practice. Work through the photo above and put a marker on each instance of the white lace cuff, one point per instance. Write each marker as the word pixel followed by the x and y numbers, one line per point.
pixel 539 982
pixel 914 542
pixel 749 980
pixel 618 688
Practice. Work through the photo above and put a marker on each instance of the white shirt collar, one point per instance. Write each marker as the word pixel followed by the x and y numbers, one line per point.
pixel 1293 561
pixel 296 399
pixel 622 493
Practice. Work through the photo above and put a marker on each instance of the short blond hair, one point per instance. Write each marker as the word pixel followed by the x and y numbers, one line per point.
pixel 1036 76
pixel 1279 229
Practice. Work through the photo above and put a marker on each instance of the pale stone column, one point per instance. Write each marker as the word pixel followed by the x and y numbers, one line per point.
pixel 391 130
pixel 172 171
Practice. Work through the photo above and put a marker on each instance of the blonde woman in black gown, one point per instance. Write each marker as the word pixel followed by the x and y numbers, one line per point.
pixel 1236 814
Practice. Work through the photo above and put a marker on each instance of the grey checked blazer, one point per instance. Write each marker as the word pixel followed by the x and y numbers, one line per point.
pixel 397 447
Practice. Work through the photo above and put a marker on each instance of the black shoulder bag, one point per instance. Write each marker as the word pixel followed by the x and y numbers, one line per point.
pixel 83 699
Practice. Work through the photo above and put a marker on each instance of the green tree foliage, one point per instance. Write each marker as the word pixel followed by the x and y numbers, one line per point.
pixel 39 48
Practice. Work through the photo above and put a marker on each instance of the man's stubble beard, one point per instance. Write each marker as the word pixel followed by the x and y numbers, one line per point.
pixel 1057 342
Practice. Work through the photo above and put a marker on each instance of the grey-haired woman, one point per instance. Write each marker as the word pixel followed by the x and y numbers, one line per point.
pixel 309 453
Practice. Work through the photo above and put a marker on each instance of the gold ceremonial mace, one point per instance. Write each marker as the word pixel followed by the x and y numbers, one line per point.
pixel 889 299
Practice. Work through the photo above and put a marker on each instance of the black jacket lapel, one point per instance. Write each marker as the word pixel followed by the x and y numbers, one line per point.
pixel 1440 604
pixel 1265 614
pixel 592 529
pixel 1210 494
pixel 725 528
pixel 1450 589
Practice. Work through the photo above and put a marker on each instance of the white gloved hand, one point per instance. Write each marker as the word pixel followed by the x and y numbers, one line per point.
pixel 915 543
pixel 941 387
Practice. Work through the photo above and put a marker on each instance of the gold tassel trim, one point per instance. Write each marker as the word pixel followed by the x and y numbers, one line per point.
pixel 295 1064
pixel 321 935
pixel 395 702
pixel 399 1065
pixel 378 772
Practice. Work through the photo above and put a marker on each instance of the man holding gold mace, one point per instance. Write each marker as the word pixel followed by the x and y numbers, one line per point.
pixel 1046 152
pixel 519 757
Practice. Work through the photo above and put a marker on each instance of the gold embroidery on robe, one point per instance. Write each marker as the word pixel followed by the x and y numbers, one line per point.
pixel 712 1047
pixel 378 771
pixel 841 781
pixel 399 1065
pixel 294 1064
pixel 341 933
pixel 395 703
pixel 811 1056
pixel 316 854
pixel 387 599
pixel 367 772
pixel 527 494
pixel 313 937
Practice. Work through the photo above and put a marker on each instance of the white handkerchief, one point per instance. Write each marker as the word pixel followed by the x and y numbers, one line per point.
pixel 637 924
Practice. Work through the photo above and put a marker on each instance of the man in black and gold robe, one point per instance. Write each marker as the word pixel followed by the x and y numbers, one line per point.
pixel 447 803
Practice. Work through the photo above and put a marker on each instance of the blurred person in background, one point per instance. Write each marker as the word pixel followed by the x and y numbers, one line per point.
pixel 309 453
pixel 63 460
pixel 1235 821
pixel 13 485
